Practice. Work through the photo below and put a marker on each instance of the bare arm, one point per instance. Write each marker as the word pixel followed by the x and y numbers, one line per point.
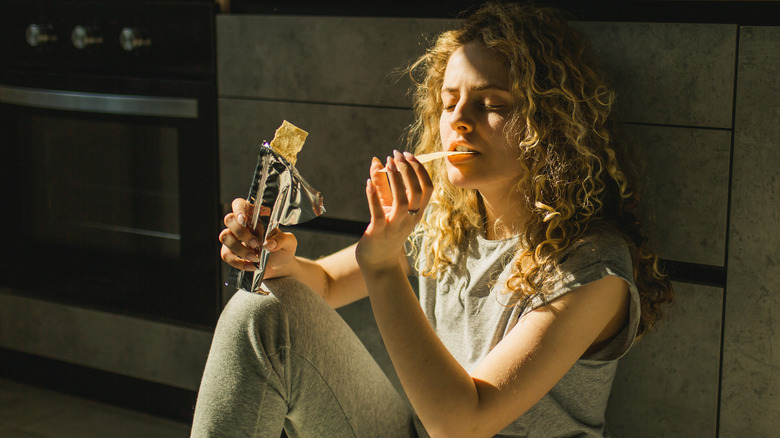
pixel 516 374
pixel 335 277
pixel 513 377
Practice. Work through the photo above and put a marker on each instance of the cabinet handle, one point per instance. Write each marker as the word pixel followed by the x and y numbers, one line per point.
pixel 124 104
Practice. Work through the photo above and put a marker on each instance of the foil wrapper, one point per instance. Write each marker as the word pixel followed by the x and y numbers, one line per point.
pixel 277 185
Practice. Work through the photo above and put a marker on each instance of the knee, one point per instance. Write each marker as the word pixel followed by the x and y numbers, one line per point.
pixel 252 312
pixel 278 292
pixel 244 305
pixel 251 325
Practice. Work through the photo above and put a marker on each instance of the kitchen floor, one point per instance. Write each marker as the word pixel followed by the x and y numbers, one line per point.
pixel 32 412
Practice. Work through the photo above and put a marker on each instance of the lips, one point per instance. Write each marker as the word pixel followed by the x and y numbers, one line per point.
pixel 460 146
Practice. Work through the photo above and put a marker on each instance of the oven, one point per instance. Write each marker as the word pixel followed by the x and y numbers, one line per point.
pixel 109 156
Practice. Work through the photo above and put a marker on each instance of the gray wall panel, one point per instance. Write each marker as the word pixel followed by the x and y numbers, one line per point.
pixel 667 384
pixel 668 73
pixel 335 159
pixel 319 59
pixel 684 179
pixel 314 244
pixel 751 393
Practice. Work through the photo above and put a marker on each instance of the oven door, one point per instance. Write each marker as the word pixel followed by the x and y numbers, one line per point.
pixel 111 198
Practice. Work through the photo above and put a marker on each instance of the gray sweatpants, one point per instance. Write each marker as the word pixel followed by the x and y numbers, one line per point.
pixel 288 361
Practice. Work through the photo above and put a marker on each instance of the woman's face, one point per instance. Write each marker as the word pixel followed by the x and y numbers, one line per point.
pixel 476 105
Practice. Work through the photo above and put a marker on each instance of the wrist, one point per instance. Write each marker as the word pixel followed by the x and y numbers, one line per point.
pixel 380 270
pixel 376 265
pixel 295 268
pixel 290 268
pixel 310 273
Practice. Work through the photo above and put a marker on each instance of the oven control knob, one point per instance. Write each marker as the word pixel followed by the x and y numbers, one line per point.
pixel 132 39
pixel 39 34
pixel 83 37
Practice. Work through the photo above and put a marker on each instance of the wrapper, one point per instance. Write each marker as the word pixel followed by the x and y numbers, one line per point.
pixel 278 186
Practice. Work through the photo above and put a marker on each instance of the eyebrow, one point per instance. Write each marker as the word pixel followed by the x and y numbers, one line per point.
pixel 477 88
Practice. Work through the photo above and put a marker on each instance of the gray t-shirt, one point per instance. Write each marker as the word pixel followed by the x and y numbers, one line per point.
pixel 470 315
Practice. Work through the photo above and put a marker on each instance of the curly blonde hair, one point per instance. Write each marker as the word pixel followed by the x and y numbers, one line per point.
pixel 574 183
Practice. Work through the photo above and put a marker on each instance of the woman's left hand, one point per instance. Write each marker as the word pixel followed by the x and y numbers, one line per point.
pixel 396 200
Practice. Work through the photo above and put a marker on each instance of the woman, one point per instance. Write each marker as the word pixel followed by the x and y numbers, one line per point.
pixel 534 276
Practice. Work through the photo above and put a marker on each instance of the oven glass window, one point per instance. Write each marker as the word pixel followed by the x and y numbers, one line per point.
pixel 102 185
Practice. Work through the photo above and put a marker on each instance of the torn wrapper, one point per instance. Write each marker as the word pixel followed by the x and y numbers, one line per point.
pixel 277 186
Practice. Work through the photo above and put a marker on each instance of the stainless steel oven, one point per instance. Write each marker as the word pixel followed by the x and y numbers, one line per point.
pixel 109 156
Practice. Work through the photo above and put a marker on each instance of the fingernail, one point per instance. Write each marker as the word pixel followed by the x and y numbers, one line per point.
pixel 269 244
pixel 408 155
pixel 252 257
pixel 376 160
pixel 370 186
pixel 254 244
pixel 241 219
pixel 391 164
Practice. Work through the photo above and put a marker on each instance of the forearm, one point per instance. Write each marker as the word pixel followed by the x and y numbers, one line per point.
pixel 336 277
pixel 442 393
pixel 309 273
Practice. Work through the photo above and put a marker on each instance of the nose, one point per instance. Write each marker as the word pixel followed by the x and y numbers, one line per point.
pixel 460 119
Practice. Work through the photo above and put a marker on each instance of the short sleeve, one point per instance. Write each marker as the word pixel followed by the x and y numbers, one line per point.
pixel 592 259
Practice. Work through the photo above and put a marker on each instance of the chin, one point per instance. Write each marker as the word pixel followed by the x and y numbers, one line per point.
pixel 457 178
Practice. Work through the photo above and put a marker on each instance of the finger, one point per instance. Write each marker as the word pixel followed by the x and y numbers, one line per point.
pixel 400 203
pixel 423 178
pixel 374 206
pixel 380 182
pixel 241 205
pixel 242 233
pixel 231 243
pixel 237 262
pixel 282 247
pixel 278 240
pixel 410 179
pixel 244 211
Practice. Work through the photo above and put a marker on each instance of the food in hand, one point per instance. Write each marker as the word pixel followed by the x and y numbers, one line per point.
pixel 288 141
pixel 424 158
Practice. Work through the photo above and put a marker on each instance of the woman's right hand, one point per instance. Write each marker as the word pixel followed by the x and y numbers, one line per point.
pixel 241 245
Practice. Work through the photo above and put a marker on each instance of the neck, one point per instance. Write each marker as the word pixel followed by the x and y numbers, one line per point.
pixel 505 216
